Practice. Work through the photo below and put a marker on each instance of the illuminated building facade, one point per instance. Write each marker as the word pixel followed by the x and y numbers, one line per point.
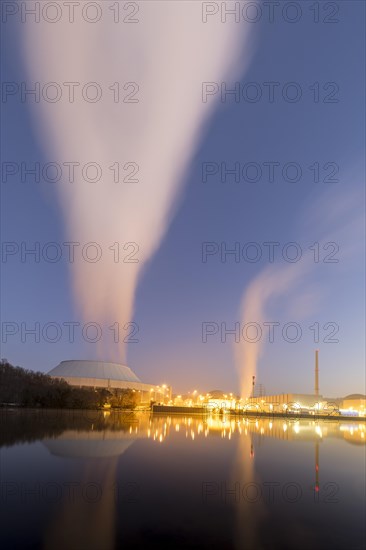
pixel 355 402
pixel 111 376
pixel 283 401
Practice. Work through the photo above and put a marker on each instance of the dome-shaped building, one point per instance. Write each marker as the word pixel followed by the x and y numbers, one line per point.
pixel 355 402
pixel 102 374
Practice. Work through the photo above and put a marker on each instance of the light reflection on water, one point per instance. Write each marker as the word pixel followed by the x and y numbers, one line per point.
pixel 111 480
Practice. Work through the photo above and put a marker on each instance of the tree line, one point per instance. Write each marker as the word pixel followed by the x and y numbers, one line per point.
pixel 26 388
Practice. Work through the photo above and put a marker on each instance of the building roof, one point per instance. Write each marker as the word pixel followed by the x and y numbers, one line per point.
pixel 94 369
pixel 355 396
pixel 217 394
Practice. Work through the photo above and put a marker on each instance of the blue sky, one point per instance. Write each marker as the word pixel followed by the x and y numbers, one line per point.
pixel 178 292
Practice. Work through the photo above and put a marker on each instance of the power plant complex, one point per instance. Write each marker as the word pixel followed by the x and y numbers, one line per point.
pixel 304 400
pixel 115 377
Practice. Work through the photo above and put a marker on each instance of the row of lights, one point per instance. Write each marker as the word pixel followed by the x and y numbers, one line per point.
pixel 160 433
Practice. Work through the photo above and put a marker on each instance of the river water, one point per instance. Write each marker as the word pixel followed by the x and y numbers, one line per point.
pixel 107 480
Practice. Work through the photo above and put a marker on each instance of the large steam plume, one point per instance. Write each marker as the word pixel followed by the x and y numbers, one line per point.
pixel 168 54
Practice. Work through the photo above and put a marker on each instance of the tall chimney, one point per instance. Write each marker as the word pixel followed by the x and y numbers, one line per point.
pixel 316 373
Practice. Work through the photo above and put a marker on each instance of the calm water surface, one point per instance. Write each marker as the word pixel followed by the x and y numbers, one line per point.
pixel 94 480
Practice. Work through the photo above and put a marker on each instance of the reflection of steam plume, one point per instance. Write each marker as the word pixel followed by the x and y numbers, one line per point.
pixel 87 522
pixel 169 53
pixel 249 515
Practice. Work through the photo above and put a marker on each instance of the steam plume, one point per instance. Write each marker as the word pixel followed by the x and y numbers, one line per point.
pixel 169 53
pixel 335 218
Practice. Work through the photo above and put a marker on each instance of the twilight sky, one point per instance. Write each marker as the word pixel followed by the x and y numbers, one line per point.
pixel 189 289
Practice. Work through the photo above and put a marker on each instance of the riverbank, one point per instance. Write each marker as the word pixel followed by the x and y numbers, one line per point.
pixel 168 410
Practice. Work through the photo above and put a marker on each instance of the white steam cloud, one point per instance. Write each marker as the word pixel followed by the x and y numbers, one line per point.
pixel 168 54
pixel 335 217
pixel 270 283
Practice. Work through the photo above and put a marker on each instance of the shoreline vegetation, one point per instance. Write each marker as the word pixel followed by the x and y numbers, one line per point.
pixel 23 388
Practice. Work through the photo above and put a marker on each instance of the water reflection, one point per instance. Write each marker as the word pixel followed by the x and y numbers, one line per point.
pixel 100 480
pixel 107 433
pixel 194 427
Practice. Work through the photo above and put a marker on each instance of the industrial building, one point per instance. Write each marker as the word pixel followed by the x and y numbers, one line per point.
pixel 352 405
pixel 291 401
pixel 111 376
pixel 282 401
pixel 354 402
